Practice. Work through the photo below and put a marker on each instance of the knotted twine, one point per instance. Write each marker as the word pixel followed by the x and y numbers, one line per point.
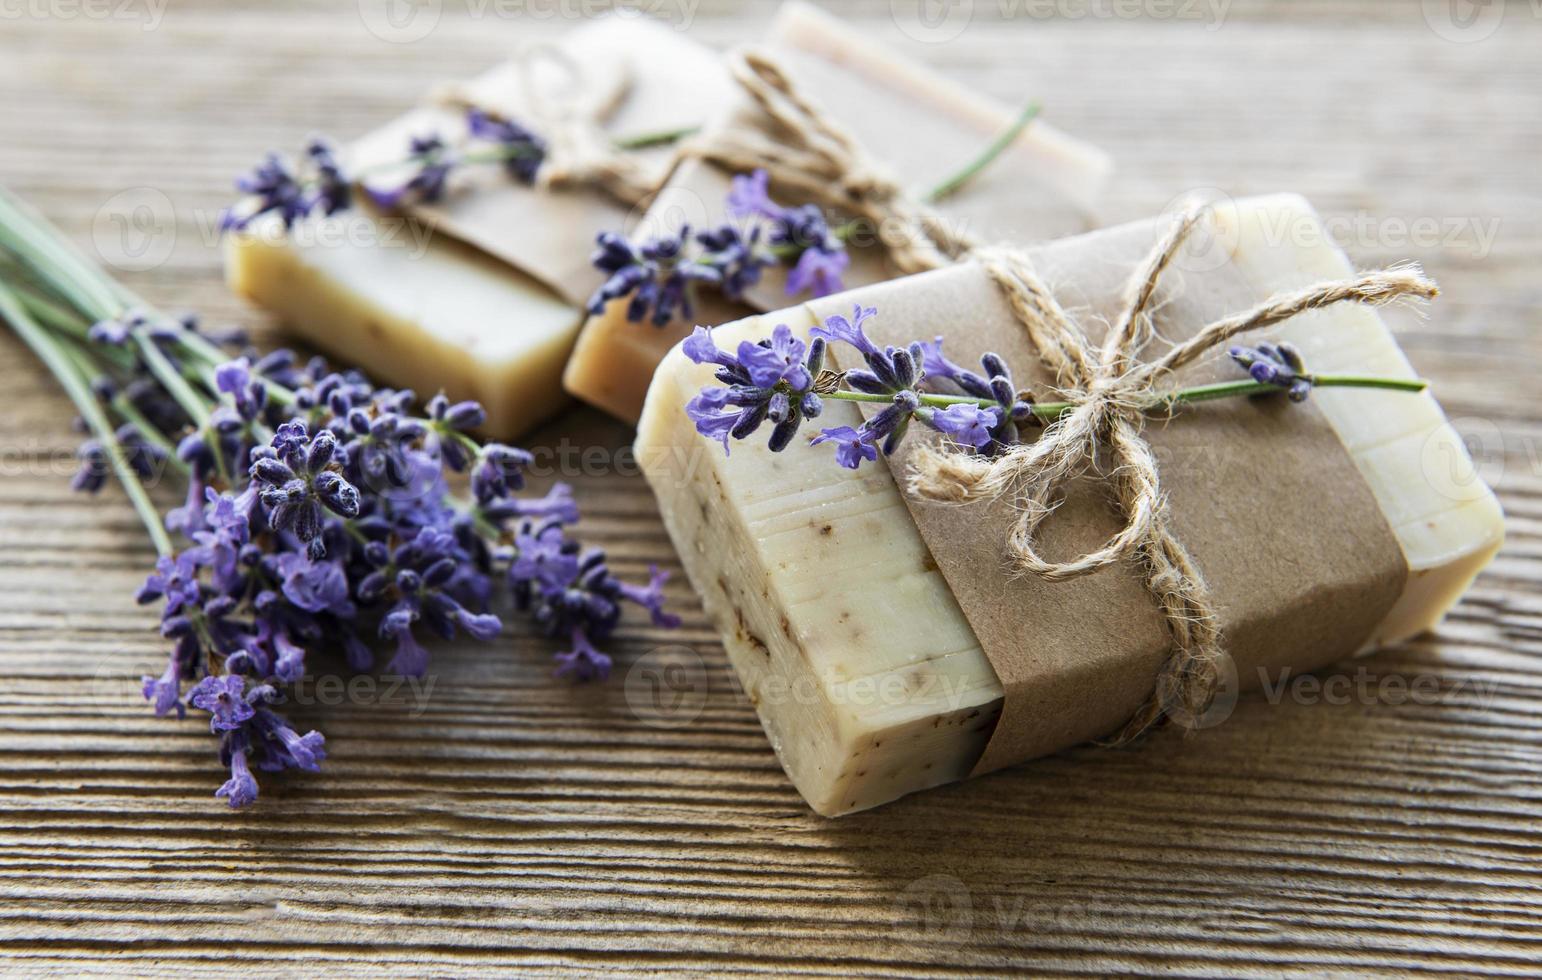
pixel 570 118
pixel 818 160
pixel 1109 388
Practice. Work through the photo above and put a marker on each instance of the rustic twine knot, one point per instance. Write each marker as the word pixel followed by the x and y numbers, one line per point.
pixel 568 110
pixel 815 159
pixel 1111 391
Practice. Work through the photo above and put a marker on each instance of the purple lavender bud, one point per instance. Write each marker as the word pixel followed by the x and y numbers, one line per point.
pixel 319 457
pixel 240 789
pixel 221 696
pixel 526 150
pixel 340 496
pixel 92 474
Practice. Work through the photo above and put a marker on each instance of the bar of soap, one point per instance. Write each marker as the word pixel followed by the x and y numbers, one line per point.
pixel 491 307
pixel 425 312
pixel 868 679
pixel 922 125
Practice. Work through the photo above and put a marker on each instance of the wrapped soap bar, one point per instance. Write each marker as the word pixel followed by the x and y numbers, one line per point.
pixel 480 291
pixel 886 644
pixel 920 126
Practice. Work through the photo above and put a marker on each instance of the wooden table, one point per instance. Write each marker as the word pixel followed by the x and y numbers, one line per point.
pixel 502 821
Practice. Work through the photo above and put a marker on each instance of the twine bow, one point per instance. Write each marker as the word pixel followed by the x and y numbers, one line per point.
pixel 818 160
pixel 570 117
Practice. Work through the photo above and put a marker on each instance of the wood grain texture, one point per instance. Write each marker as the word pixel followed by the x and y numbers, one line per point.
pixel 503 822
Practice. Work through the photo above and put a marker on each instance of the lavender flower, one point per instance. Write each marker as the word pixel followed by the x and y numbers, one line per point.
pixel 319 512
pixel 767 380
pixel 1279 365
pixel 658 275
pixel 432 160
pixel 772 379
pixel 274 188
pixel 333 191
pixel 662 274
pixel 525 150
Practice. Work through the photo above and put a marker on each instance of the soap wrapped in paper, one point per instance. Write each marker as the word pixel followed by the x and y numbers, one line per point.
pixel 482 293
pixel 886 642
pixel 919 126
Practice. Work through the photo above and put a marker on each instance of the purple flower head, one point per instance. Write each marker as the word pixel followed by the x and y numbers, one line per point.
pixel 818 272
pixel 92 474
pixel 583 662
pixel 1279 365
pixel 275 189
pixel 314 586
pixel 241 788
pixel 651 597
pixel 769 380
pixel 851 445
pixel 222 696
pixel 968 425
pixel 165 692
pixel 287 748
pixel 433 161
pixel 334 191
pixel 838 329
pixel 738 258
pixel 525 150
pixel 658 275
pixel 749 196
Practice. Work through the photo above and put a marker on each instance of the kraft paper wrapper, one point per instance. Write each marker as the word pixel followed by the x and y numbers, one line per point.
pixel 666 82
pixel 921 125
pixel 1300 560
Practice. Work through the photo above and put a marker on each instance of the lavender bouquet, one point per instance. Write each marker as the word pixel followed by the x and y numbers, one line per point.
pixel 319 509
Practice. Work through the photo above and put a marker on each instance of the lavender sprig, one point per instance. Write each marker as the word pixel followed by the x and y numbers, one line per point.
pixel 660 276
pixel 421 175
pixel 760 233
pixel 981 411
pixel 319 510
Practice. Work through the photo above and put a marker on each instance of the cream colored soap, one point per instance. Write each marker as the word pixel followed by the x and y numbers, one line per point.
pixel 868 680
pixel 414 309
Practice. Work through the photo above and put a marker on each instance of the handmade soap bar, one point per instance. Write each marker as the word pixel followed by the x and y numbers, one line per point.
pixel 867 676
pixel 922 126
pixel 481 295
pixel 428 312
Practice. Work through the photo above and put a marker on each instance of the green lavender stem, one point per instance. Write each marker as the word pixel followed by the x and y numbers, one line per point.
pixel 74 383
pixel 1049 411
pixel 997 146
